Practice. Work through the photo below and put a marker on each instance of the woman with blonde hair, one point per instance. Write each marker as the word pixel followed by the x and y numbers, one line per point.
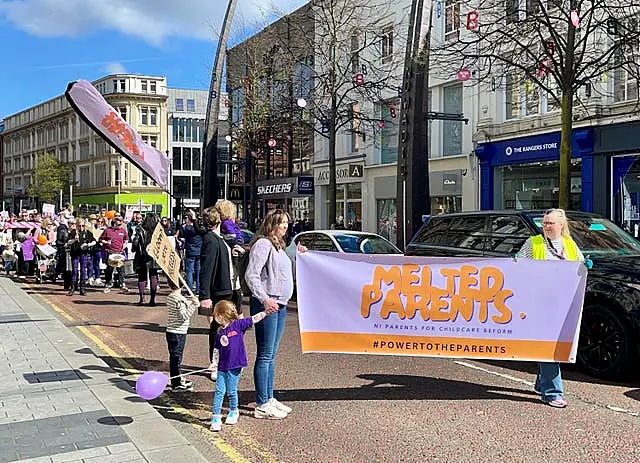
pixel 269 276
pixel 555 243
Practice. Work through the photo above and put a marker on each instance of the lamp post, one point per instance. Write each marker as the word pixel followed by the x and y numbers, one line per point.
pixel 226 167
pixel 302 103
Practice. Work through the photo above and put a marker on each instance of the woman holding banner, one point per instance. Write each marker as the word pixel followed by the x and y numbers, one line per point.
pixel 269 276
pixel 554 244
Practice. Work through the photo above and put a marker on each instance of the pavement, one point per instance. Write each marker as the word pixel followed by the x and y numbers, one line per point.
pixel 59 402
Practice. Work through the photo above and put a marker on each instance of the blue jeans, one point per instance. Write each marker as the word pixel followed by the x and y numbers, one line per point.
pixel 268 334
pixel 549 381
pixel 192 270
pixel 226 383
pixel 94 268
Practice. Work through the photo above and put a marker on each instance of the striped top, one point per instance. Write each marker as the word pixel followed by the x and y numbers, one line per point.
pixel 179 312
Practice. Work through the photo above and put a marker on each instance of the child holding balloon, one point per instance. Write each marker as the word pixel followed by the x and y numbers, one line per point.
pixel 230 356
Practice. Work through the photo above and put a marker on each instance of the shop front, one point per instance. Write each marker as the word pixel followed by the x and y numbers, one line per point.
pixel 619 148
pixel 523 173
pixel 158 203
pixel 349 181
pixel 292 194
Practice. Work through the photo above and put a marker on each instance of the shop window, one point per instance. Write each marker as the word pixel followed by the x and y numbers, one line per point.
pixel 534 185
pixel 182 186
pixel 387 219
pixel 446 204
pixel 452 130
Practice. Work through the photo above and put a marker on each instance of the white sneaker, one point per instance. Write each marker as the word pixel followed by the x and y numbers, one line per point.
pixel 98 282
pixel 216 423
pixel 91 282
pixel 280 406
pixel 232 417
pixel 214 375
pixel 268 411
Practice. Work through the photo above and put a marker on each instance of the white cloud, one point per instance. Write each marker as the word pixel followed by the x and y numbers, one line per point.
pixel 151 20
pixel 115 68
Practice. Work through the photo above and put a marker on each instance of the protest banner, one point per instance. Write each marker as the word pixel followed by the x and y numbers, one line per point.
pixel 165 255
pixel 498 309
pixel 94 110
pixel 48 210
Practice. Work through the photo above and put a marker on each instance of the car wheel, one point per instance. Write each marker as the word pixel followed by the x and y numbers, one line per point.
pixel 607 347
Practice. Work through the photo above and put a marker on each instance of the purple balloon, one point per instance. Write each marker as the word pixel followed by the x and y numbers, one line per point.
pixel 151 384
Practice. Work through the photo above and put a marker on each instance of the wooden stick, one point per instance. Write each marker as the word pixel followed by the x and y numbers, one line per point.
pixel 189 373
pixel 184 283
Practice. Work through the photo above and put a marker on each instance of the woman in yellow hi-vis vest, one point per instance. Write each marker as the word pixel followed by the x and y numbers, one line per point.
pixel 554 244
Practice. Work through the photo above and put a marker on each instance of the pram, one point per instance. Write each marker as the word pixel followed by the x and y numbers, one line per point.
pixel 45 262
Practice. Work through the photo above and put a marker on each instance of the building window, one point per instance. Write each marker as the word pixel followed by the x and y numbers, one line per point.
pixel 144 86
pixel 625 84
pixel 152 86
pixel 177 158
pixel 182 186
pixel 355 54
pixel 179 104
pixel 522 98
pixel 144 116
pixel 512 11
pixel 186 158
pixel 452 130
pixel 122 110
pixel 191 106
pixel 388 131
pixel 195 159
pixel 153 114
pixel 355 127
pixel 451 19
pixel 85 178
pixel 387 44
pixel 151 140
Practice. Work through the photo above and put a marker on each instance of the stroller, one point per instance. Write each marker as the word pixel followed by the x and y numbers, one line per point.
pixel 45 262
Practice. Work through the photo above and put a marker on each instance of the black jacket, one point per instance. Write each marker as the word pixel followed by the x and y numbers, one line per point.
pixel 215 278
pixel 62 236
pixel 80 238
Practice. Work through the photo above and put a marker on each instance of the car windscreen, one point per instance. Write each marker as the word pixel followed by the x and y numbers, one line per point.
pixel 365 244
pixel 598 236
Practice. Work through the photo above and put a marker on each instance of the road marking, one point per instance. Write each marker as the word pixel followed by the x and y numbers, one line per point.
pixel 495 373
pixel 227 449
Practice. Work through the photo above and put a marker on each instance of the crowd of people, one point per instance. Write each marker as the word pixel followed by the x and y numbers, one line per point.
pixel 82 250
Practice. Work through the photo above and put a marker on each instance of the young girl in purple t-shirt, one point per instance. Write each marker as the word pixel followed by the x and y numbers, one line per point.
pixel 230 356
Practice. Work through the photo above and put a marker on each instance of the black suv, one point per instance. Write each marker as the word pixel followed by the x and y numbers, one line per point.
pixel 609 344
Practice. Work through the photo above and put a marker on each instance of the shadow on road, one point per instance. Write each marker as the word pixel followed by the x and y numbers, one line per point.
pixel 570 372
pixel 635 394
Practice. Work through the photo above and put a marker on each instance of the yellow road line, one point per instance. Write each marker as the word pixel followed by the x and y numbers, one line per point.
pixel 227 449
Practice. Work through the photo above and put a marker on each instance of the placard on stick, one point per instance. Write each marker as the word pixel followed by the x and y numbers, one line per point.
pixel 165 254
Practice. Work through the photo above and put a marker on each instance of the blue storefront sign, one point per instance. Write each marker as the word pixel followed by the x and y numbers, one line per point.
pixel 536 148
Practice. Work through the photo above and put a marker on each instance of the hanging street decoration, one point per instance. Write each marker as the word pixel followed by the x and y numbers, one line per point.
pixel 575 18
pixel 463 75
pixel 358 79
pixel 472 20
pixel 544 67
pixel 272 143
pixel 550 47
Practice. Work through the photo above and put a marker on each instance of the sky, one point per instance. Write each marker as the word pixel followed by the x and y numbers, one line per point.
pixel 45 44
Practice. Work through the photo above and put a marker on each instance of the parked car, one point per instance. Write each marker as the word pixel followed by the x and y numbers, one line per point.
pixel 609 345
pixel 350 242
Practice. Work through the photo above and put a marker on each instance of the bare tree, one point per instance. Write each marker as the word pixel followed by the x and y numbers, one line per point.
pixel 565 49
pixel 353 66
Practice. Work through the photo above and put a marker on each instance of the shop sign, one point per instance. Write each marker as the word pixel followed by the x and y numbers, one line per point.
pixel 344 174
pixel 305 185
pixel 235 193
pixel 278 188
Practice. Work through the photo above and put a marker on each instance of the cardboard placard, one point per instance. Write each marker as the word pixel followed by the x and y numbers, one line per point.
pixel 165 254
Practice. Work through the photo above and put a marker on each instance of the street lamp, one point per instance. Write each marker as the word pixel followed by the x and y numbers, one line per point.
pixel 226 167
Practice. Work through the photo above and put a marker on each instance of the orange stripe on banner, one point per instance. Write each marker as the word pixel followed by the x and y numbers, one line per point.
pixel 429 346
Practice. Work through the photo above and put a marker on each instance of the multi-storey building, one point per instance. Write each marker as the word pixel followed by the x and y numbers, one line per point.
pixel 2 162
pixel 187 115
pixel 367 154
pixel 99 176
pixel 268 82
